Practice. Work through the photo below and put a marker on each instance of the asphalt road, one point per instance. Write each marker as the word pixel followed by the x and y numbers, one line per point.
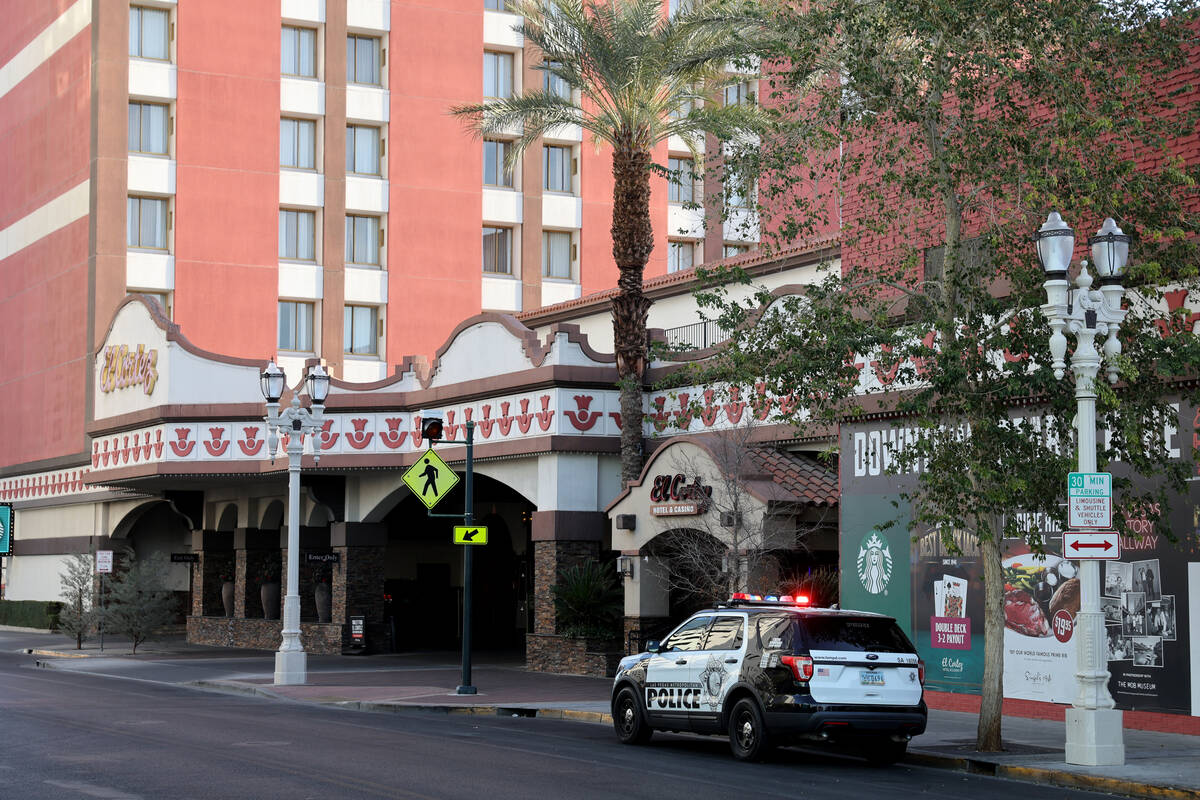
pixel 68 735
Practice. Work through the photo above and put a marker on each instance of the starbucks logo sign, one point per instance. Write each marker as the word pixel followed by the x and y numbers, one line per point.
pixel 874 563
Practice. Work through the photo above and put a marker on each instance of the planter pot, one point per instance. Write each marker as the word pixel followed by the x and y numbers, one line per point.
pixel 269 594
pixel 324 600
pixel 227 597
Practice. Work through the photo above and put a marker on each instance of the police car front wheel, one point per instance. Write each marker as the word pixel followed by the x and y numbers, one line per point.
pixel 628 720
pixel 747 735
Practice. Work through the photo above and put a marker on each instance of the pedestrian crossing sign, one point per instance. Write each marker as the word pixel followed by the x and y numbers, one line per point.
pixel 430 478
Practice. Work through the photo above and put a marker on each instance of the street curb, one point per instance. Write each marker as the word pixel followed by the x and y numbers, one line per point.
pixel 1050 777
pixel 33 651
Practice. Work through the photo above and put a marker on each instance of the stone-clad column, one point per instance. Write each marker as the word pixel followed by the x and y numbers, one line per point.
pixel 358 578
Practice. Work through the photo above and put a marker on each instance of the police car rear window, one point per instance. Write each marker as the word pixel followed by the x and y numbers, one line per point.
pixel 856 633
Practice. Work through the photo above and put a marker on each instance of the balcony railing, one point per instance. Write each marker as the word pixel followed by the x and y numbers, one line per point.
pixel 696 336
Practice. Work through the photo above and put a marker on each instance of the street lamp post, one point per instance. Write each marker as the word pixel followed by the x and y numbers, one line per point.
pixel 291 662
pixel 1094 735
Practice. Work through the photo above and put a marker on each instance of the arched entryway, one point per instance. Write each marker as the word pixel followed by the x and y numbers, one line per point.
pixel 155 528
pixel 423 569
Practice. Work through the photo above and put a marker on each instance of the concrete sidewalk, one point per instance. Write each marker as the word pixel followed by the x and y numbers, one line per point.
pixel 1158 765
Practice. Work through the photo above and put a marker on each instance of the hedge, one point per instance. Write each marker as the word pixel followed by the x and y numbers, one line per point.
pixel 30 613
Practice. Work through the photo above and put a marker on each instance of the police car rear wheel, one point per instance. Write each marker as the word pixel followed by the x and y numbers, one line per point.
pixel 747 735
pixel 628 721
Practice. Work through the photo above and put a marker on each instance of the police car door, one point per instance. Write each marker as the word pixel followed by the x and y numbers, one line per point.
pixel 672 690
pixel 719 667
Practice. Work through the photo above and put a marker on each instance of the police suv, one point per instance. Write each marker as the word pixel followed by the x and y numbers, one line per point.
pixel 765 671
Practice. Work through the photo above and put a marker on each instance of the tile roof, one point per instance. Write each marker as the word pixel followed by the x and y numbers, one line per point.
pixel 800 475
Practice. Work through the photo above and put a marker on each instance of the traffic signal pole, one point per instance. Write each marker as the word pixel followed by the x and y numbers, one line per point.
pixel 432 431
pixel 468 558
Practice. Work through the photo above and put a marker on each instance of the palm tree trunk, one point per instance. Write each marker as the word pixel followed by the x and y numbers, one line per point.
pixel 633 239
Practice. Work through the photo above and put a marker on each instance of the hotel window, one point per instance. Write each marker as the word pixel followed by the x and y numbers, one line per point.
pixel 733 250
pixel 736 195
pixel 555 85
pixel 298 52
pixel 497 250
pixel 148 128
pixel 683 109
pixel 298 143
pixel 297 235
pixel 739 94
pixel 495 163
pixel 497 74
pixel 295 326
pixel 146 222
pixel 679 256
pixel 363 240
pixel 682 180
pixel 360 331
pixel 362 149
pixel 556 168
pixel 362 60
pixel 495 5
pixel 148 32
pixel 556 254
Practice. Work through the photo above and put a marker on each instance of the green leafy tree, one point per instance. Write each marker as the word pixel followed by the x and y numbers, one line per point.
pixel 139 604
pixel 958 126
pixel 78 616
pixel 638 79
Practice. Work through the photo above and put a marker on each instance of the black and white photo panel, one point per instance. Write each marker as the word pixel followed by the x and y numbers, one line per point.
pixel 1117 578
pixel 1133 614
pixel 1147 651
pixel 1120 647
pixel 1147 579
pixel 1160 618
pixel 1112 610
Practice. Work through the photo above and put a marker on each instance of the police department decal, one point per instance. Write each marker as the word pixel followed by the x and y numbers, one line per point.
pixel 675 696
pixel 712 678
pixel 874 563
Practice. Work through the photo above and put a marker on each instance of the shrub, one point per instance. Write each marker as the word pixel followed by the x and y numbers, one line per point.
pixel 589 602
pixel 30 613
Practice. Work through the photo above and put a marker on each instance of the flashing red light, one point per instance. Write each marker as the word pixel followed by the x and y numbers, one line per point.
pixel 786 598
pixel 802 600
pixel 740 596
pixel 921 670
pixel 802 666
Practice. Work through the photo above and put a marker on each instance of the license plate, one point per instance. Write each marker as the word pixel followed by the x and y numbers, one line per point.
pixel 871 678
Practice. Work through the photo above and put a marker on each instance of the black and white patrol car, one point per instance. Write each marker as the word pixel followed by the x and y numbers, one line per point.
pixel 767 672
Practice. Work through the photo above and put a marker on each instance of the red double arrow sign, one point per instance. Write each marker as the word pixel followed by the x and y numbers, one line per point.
pixel 1091 544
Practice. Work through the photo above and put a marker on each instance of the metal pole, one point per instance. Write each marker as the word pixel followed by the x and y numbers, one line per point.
pixel 1094 734
pixel 468 552
pixel 291 662
pixel 101 612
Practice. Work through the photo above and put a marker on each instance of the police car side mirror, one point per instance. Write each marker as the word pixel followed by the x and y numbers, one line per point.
pixel 653 646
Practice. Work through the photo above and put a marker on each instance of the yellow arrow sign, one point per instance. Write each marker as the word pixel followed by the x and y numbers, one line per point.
pixel 470 534
pixel 430 478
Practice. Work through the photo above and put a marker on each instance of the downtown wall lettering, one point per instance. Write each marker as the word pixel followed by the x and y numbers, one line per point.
pixel 124 368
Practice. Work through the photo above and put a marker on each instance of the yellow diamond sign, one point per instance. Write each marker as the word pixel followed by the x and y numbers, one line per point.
pixel 430 478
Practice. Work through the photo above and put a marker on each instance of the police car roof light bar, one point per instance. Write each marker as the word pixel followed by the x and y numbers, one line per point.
pixel 744 598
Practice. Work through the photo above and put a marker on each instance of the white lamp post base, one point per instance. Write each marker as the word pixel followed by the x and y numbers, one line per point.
pixel 1094 737
pixel 291 667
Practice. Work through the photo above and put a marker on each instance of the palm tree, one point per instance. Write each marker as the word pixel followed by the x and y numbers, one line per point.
pixel 639 77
